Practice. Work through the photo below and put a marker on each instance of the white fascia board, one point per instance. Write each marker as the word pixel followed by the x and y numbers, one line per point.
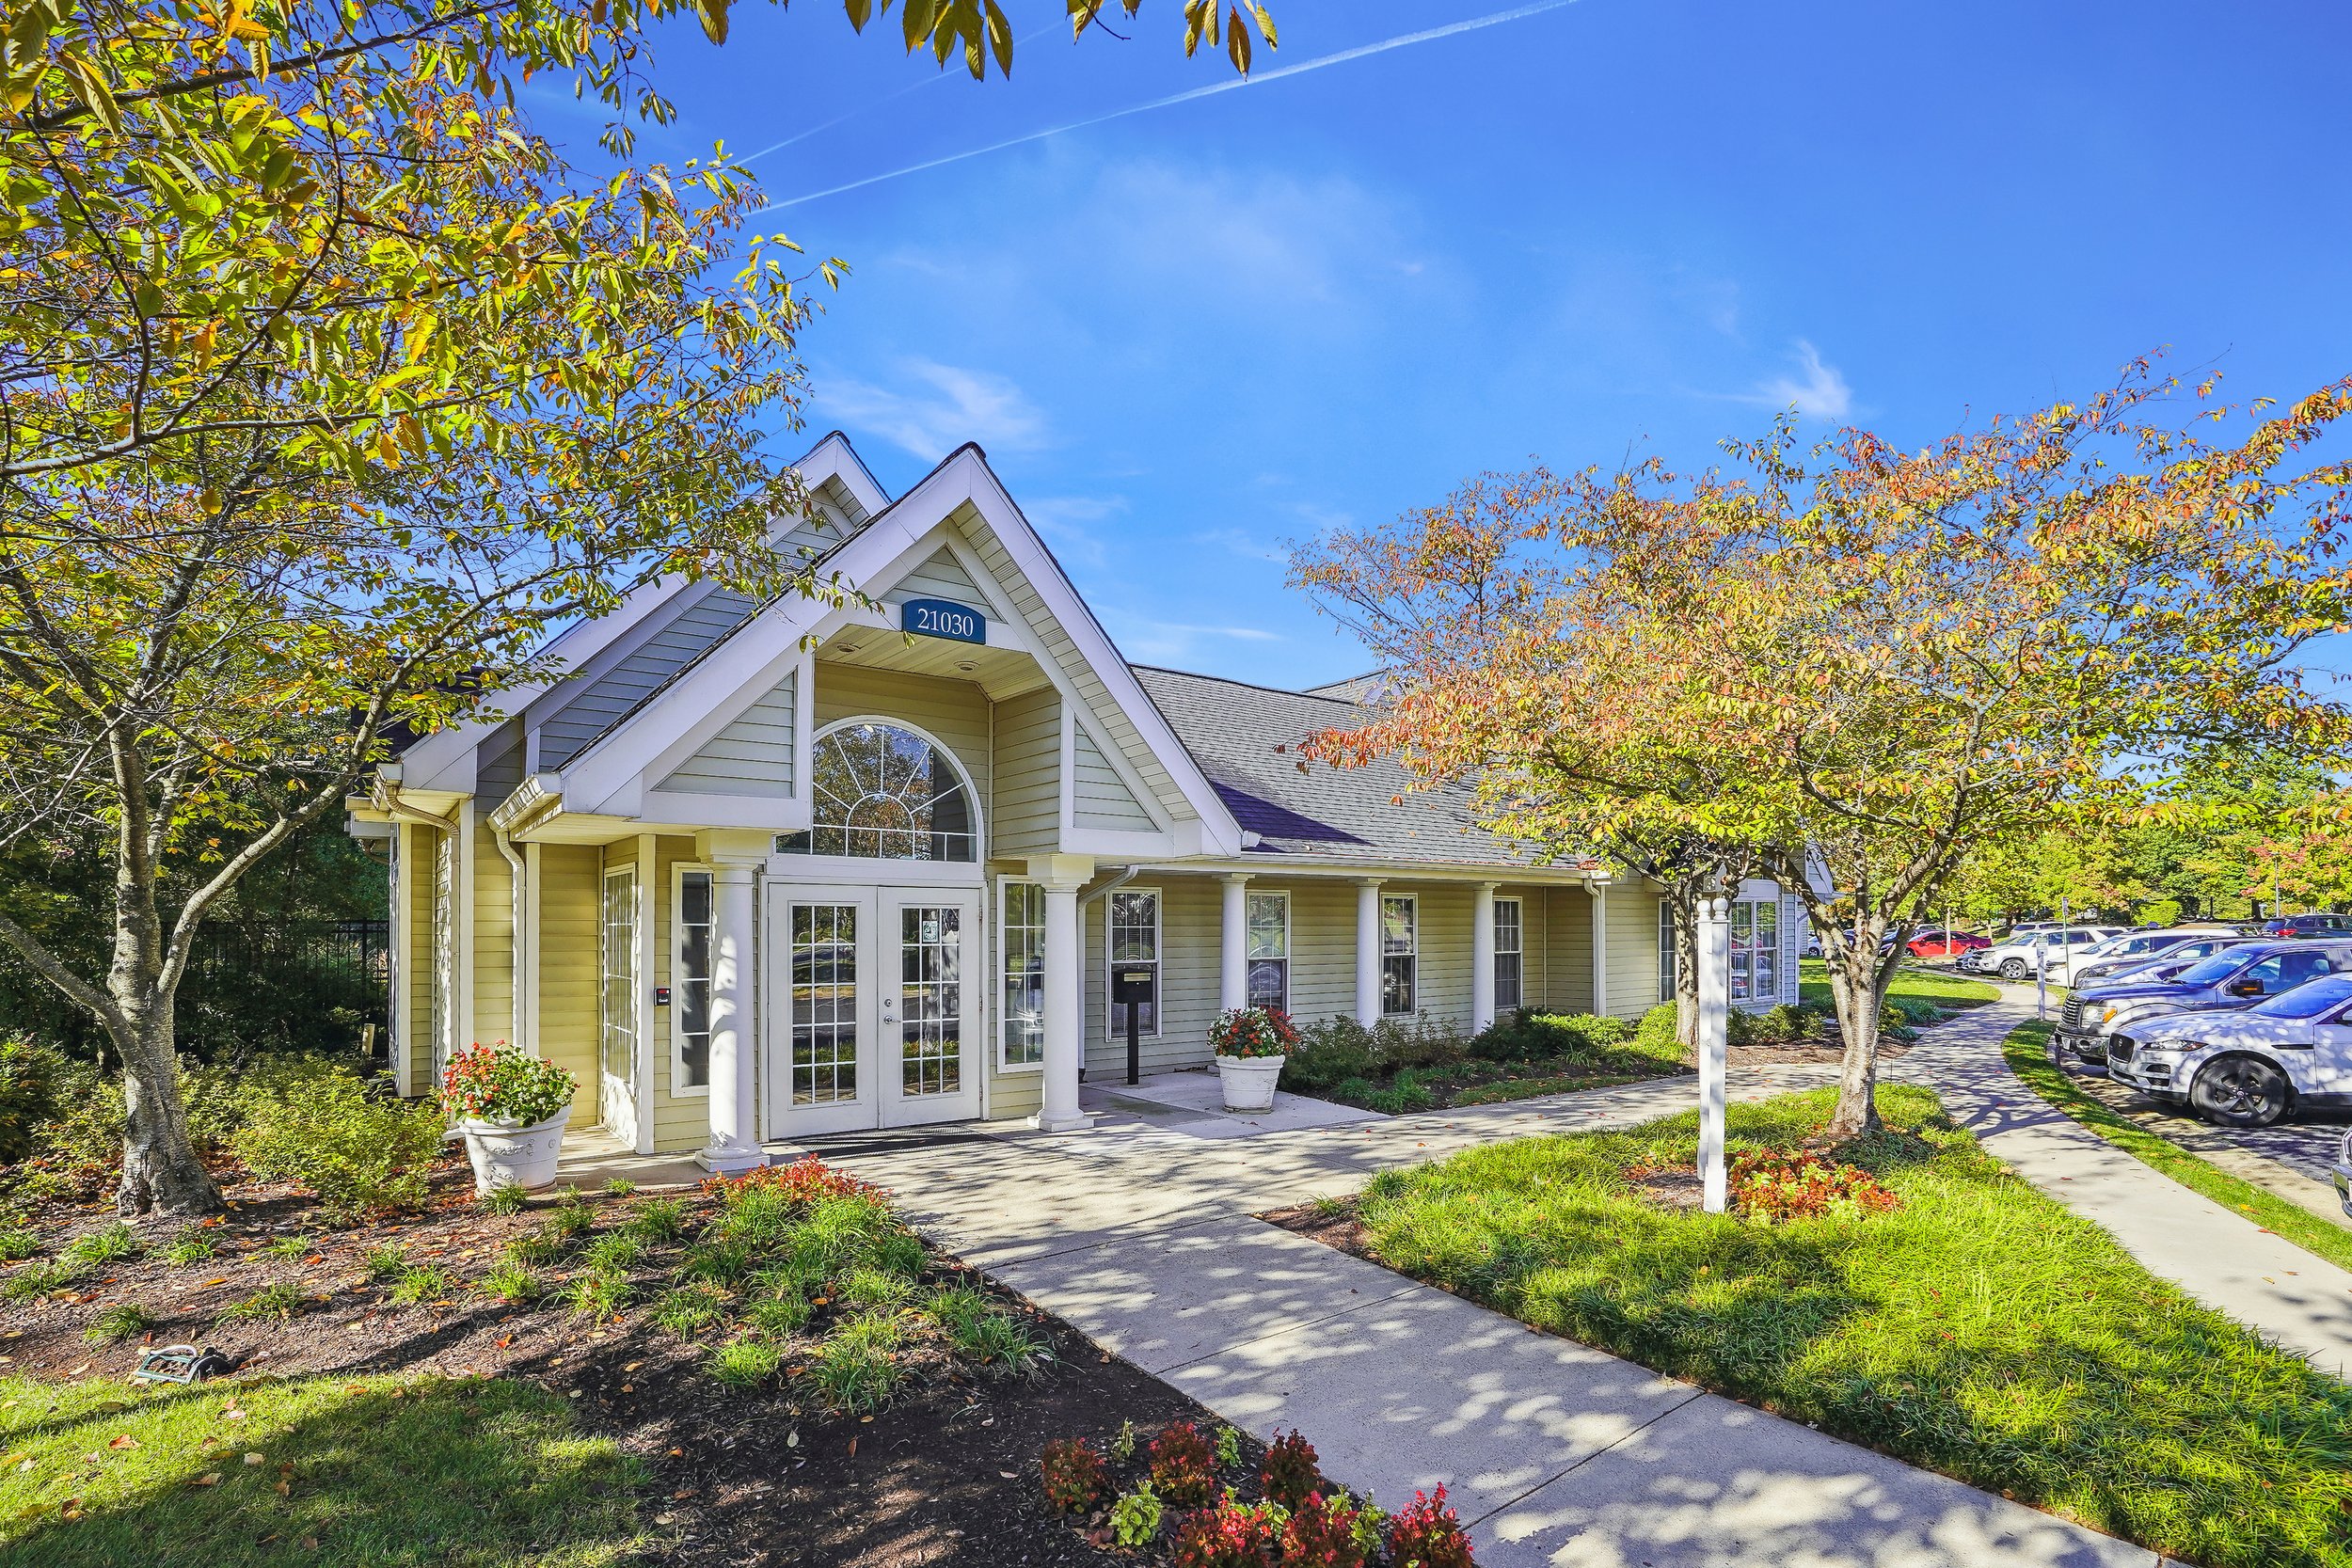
pixel 431 760
pixel 996 506
pixel 775 814
pixel 1112 844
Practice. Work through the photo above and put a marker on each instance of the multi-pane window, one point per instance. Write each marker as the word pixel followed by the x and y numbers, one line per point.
pixel 690 981
pixel 1134 921
pixel 1510 954
pixel 1755 950
pixel 1665 951
pixel 824 1004
pixel 931 999
pixel 880 791
pixel 1269 950
pixel 619 1012
pixel 1023 934
pixel 1399 955
pixel 444 978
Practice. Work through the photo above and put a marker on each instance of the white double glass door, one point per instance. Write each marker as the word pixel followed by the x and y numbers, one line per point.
pixel 873 1008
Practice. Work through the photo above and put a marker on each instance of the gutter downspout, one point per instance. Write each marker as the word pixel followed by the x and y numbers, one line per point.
pixel 386 797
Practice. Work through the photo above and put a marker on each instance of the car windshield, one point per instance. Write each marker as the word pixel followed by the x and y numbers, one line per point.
pixel 2308 1000
pixel 2219 967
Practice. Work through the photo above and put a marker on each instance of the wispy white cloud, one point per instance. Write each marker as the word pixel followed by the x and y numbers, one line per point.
pixel 1156 642
pixel 1072 524
pixel 1822 394
pixel 1245 542
pixel 936 408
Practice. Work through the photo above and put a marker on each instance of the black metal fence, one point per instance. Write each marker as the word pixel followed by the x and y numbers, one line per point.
pixel 296 985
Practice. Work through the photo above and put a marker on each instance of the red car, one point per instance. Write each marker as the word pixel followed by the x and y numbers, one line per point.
pixel 1944 945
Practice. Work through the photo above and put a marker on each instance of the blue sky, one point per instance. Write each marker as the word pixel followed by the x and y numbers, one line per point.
pixel 1187 335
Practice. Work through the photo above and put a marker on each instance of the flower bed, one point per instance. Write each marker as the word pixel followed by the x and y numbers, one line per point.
pixel 1185 1499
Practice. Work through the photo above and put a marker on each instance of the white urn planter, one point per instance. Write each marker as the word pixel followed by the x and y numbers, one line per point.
pixel 506 1155
pixel 1248 1080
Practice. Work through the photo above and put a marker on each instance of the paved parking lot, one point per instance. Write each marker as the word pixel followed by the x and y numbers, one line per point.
pixel 2305 1145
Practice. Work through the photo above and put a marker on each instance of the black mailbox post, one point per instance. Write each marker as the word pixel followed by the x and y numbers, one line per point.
pixel 1134 987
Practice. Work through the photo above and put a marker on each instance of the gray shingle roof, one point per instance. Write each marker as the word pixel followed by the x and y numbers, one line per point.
pixel 1232 731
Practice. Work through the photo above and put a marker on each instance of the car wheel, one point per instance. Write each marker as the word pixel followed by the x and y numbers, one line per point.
pixel 2239 1091
pixel 2012 969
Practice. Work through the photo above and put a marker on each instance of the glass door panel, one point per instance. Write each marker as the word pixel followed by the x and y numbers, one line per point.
pixel 818 1041
pixel 934 1017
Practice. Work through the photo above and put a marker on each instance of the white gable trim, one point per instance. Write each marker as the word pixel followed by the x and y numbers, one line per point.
pixel 444 759
pixel 611 774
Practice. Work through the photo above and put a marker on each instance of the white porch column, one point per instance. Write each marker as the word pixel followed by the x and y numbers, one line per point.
pixel 1483 957
pixel 1599 892
pixel 1368 950
pixel 1714 979
pixel 734 1104
pixel 1233 974
pixel 1065 993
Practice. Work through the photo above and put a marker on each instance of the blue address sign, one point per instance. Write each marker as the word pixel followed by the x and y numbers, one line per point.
pixel 958 623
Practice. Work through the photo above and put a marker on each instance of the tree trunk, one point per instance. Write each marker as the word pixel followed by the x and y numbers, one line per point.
pixel 1686 908
pixel 161 1174
pixel 1853 986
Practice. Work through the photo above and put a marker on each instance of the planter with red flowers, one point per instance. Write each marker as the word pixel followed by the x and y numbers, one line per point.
pixel 1252 1045
pixel 511 1109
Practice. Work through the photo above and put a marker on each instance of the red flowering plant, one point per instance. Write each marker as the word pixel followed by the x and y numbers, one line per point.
pixel 1184 1467
pixel 1780 1184
pixel 804 1181
pixel 1233 1534
pixel 1074 1475
pixel 1426 1535
pixel 1252 1032
pixel 1289 1474
pixel 498 1084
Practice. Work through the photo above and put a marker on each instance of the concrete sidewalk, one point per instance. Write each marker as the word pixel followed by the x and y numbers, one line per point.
pixel 2222 1258
pixel 1140 1233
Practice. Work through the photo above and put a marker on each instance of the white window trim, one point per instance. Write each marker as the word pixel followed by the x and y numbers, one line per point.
pixel 635 979
pixel 815 867
pixel 1112 1034
pixel 1283 894
pixel 678 869
pixel 1413 899
pixel 1757 997
pixel 1520 952
pixel 996 976
pixel 1665 951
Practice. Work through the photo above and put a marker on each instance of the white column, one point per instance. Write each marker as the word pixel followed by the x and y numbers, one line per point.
pixel 733 1107
pixel 1483 957
pixel 1064 1047
pixel 1233 974
pixel 1714 1043
pixel 1600 947
pixel 1368 950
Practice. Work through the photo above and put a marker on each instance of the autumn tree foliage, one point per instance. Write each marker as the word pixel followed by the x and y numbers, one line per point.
pixel 326 388
pixel 1861 664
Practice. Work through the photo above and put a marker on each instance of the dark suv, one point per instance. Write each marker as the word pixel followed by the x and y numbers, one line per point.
pixel 2308 926
pixel 2236 977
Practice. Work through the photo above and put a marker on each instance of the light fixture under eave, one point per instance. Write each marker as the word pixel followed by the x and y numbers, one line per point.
pixel 846 648
pixel 967 665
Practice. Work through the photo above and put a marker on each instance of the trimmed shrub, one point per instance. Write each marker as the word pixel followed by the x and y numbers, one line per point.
pixel 1329 1054
pixel 1405 1092
pixel 360 1155
pixel 1786 1023
pixel 1423 1041
pixel 31 1073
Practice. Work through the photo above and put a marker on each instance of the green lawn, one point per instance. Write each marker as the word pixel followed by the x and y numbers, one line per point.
pixel 1943 987
pixel 2027 1050
pixel 466 1474
pixel 1980 1330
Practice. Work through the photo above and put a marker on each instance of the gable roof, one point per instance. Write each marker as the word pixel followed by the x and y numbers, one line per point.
pixel 1313 810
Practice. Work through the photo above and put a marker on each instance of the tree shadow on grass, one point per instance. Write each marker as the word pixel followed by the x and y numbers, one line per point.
pixel 475 1472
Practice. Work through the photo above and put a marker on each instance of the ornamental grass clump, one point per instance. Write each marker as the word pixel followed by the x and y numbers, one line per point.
pixel 500 1085
pixel 1247 1032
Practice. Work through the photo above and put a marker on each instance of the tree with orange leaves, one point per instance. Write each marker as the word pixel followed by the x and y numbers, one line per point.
pixel 1858 664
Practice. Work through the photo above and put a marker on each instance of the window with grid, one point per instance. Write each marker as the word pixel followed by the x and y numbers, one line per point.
pixel 1135 938
pixel 1269 953
pixel 1755 950
pixel 618 1015
pixel 1665 951
pixel 691 981
pixel 1510 954
pixel 1022 935
pixel 1399 955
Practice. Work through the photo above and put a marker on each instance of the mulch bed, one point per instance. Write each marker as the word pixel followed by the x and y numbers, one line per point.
pixel 1330 1221
pixel 948 1474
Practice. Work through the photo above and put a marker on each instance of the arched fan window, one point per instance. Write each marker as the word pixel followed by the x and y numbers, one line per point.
pixel 882 792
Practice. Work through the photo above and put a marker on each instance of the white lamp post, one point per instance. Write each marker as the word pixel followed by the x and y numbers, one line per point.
pixel 1714 945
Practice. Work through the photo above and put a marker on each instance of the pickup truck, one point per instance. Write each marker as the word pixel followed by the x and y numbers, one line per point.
pixel 2235 978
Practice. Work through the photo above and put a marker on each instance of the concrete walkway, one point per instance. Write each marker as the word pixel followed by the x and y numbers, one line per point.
pixel 2216 1254
pixel 1138 1231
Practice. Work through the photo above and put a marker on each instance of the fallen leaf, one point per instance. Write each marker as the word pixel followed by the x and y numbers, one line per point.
pixel 256 1459
pixel 125 1441
pixel 79 1371
pixel 222 1280
pixel 211 1478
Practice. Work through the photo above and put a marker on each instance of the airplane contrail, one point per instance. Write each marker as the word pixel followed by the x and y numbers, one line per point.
pixel 1228 84
pixel 915 86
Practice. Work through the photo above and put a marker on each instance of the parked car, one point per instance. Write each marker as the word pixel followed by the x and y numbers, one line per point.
pixel 2232 980
pixel 2245 1068
pixel 1937 942
pixel 2308 926
pixel 2177 950
pixel 2075 965
pixel 2015 958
